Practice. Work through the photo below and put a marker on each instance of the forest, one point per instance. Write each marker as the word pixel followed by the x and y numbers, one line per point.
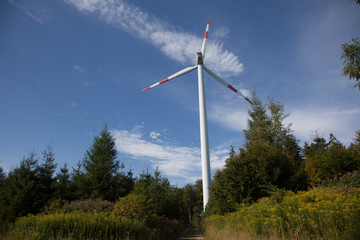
pixel 98 199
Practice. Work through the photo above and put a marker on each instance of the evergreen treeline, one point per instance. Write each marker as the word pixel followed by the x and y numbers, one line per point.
pixel 33 187
pixel 269 162
pixel 272 161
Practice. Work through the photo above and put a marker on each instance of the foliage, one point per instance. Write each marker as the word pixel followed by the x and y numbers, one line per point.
pixel 320 213
pixel 19 195
pixel 45 182
pixel 166 199
pixel 78 226
pixel 192 200
pixel 101 167
pixel 349 179
pixel 270 158
pixel 351 57
pixel 3 199
pixel 94 225
pixel 63 184
pixel 329 159
pixel 134 206
pixel 88 206
pixel 99 175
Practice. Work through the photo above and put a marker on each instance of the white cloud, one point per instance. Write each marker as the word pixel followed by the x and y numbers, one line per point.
pixel 342 123
pixel 88 84
pixel 79 69
pixel 174 161
pixel 230 117
pixel 154 135
pixel 74 104
pixel 228 109
pixel 177 45
pixel 34 9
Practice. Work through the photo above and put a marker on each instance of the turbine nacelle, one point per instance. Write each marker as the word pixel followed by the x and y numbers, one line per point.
pixel 199 58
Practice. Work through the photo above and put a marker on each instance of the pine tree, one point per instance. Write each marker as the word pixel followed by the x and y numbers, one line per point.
pixel 79 184
pixel 20 191
pixel 45 183
pixel 63 190
pixel 328 159
pixel 3 200
pixel 101 167
pixel 269 159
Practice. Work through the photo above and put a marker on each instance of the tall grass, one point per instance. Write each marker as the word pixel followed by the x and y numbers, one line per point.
pixel 320 213
pixel 81 226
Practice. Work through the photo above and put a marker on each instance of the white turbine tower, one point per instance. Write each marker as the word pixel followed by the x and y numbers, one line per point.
pixel 205 156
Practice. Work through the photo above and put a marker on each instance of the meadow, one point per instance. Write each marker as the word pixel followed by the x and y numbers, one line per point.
pixel 329 211
pixel 90 219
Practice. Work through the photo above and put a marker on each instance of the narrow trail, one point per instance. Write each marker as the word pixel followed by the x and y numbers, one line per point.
pixel 191 233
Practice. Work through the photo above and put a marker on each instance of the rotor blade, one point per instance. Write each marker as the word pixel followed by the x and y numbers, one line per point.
pixel 175 75
pixel 216 77
pixel 203 48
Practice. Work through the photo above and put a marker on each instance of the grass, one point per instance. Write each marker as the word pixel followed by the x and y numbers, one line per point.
pixel 86 226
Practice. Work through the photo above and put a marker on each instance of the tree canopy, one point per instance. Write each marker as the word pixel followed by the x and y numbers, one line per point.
pixel 270 158
pixel 351 57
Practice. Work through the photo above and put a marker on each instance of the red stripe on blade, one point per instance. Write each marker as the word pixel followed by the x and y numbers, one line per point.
pixel 165 80
pixel 232 88
pixel 209 21
pixel 248 100
pixel 206 35
pixel 146 89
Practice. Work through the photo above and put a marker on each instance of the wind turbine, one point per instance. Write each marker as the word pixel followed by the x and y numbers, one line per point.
pixel 204 139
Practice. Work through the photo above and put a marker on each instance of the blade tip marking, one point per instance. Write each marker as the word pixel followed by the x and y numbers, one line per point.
pixel 145 89
pixel 165 80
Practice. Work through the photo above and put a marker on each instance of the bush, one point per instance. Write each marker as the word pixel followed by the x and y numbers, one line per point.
pixel 134 206
pixel 78 226
pixel 350 179
pixel 90 226
pixel 321 213
pixel 88 206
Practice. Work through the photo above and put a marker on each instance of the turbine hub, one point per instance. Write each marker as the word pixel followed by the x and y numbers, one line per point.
pixel 199 58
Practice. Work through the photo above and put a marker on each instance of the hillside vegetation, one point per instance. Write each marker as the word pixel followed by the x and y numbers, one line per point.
pixel 331 211
pixel 261 192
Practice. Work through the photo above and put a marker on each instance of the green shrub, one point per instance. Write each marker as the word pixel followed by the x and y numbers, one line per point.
pixel 90 226
pixel 78 226
pixel 134 206
pixel 350 179
pixel 88 206
pixel 321 213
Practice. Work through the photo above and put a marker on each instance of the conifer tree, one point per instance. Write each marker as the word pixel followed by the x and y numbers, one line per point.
pixel 269 159
pixel 3 200
pixel 328 159
pixel 20 191
pixel 63 187
pixel 101 167
pixel 46 181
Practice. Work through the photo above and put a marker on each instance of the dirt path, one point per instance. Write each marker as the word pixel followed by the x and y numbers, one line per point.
pixel 191 233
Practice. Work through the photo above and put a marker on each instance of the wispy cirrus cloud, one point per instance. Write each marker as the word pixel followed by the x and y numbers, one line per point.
pixel 179 46
pixel 34 9
pixel 181 162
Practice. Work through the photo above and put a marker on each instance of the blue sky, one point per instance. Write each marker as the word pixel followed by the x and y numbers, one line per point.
pixel 68 67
